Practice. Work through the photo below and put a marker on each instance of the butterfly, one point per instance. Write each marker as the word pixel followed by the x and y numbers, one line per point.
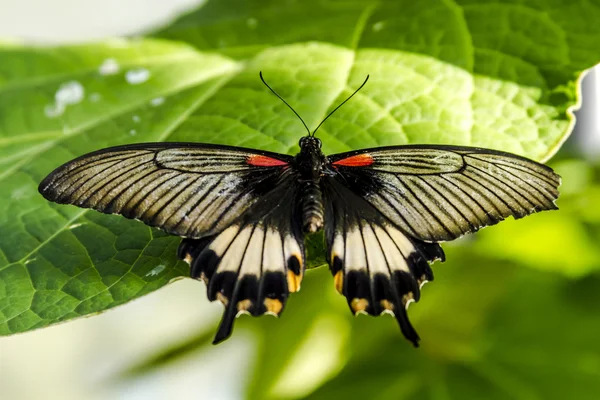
pixel 243 213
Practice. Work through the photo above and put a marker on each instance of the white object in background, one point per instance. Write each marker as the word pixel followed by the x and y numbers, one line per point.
pixel 75 21
pixel 587 130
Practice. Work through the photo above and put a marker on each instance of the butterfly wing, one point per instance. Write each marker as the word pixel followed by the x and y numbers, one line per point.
pixel 186 189
pixel 253 265
pixel 235 207
pixel 439 193
pixel 386 208
pixel 376 266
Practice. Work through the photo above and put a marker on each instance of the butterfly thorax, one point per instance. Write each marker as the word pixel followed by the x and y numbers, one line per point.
pixel 309 165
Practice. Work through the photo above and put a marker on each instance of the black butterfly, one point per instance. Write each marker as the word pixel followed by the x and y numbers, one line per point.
pixel 243 213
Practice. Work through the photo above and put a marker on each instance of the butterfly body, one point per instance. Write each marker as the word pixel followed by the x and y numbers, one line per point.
pixel 243 213
pixel 309 163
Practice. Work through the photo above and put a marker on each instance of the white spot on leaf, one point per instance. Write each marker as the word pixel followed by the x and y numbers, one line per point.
pixel 137 76
pixel 136 118
pixel 95 97
pixel 132 132
pixel 110 66
pixel 251 23
pixel 378 26
pixel 156 270
pixel 69 93
pixel 157 101
pixel 21 193
pixel 75 225
pixel 54 110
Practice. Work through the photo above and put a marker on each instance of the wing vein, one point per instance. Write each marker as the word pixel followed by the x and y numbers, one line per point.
pixel 501 186
pixel 425 208
pixel 443 196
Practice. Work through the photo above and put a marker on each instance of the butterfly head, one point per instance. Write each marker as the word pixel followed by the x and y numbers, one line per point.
pixel 309 161
pixel 310 143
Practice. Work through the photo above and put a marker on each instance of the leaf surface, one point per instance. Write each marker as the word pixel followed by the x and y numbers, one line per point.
pixel 499 75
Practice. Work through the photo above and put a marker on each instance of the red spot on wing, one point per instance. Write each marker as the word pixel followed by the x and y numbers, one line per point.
pixel 264 161
pixel 359 160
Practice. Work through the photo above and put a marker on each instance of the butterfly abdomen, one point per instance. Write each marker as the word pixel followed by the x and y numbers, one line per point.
pixel 311 200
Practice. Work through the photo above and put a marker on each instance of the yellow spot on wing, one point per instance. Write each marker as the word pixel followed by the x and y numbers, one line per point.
pixel 244 305
pixel 293 281
pixel 204 278
pixel 338 280
pixel 359 305
pixel 273 306
pixel 387 305
pixel 222 299
pixel 188 259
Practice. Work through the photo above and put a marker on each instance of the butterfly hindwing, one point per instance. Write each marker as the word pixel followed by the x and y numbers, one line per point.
pixel 439 193
pixel 386 209
pixel 377 267
pixel 253 265
pixel 186 189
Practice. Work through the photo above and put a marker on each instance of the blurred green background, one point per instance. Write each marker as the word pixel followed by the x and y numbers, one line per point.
pixel 512 313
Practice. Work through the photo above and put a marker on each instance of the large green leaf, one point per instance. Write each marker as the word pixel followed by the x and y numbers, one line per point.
pixel 58 262
pixel 517 51
pixel 499 76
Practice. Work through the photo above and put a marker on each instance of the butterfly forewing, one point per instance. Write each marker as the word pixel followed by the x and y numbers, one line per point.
pixel 186 189
pixel 236 207
pixel 439 193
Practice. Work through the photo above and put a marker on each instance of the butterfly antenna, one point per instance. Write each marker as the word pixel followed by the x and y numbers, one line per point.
pixel 343 102
pixel 284 102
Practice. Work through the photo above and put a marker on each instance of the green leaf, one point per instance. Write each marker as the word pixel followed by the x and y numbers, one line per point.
pixel 167 356
pixel 497 75
pixel 58 262
pixel 541 339
pixel 523 59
